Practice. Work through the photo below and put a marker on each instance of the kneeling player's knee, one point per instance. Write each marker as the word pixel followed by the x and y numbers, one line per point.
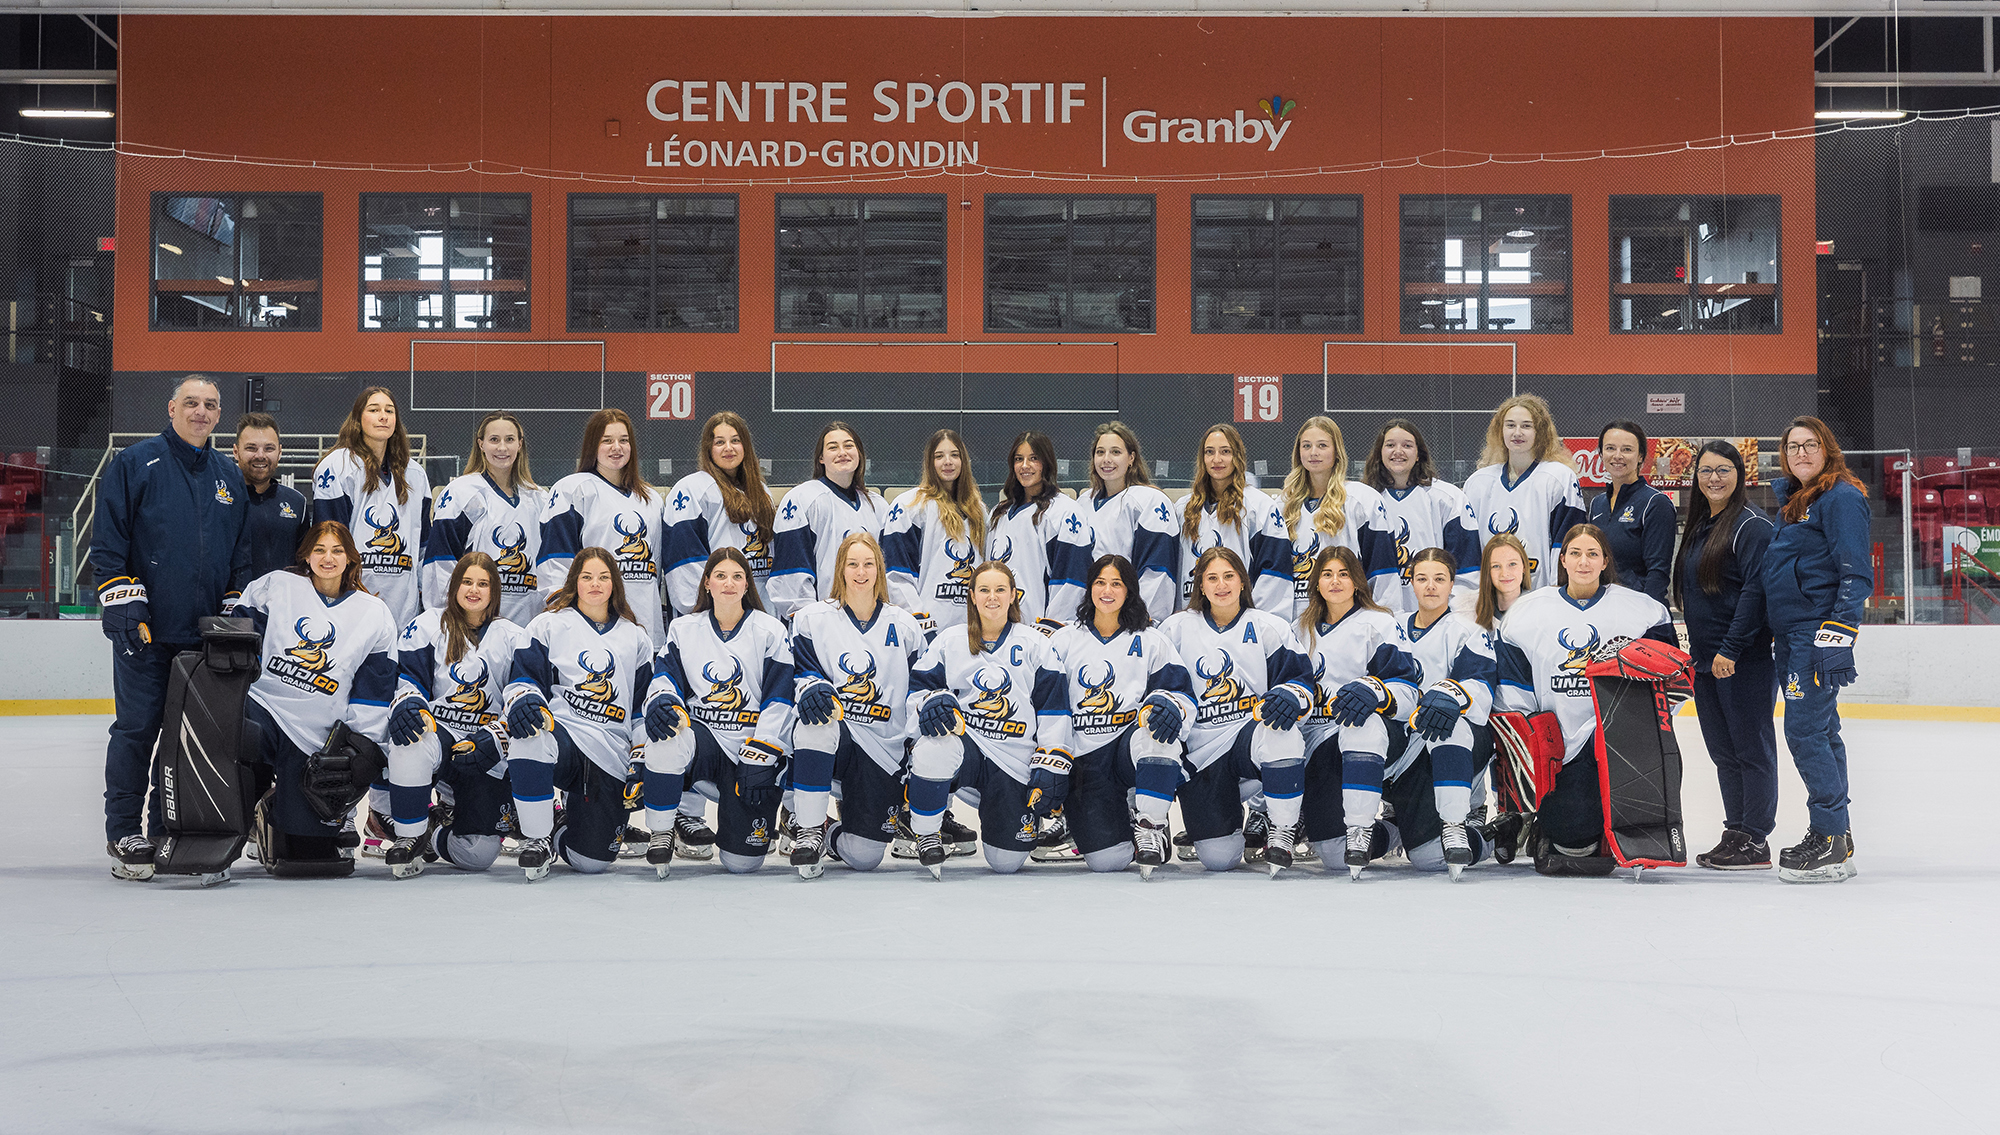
pixel 585 865
pixel 741 864
pixel 468 852
pixel 1002 860
pixel 822 738
pixel 860 854
pixel 1115 858
pixel 1429 857
pixel 936 758
pixel 1223 853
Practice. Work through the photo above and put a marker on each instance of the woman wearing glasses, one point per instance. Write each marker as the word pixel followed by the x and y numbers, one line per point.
pixel 1816 575
pixel 1719 585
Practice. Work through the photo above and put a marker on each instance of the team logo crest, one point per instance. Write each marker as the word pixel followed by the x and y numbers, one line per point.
pixel 1098 709
pixel 467 704
pixel 1513 529
pixel 725 704
pixel 1322 698
pixel 222 492
pixel 993 711
pixel 596 695
pixel 383 552
pixel 1569 677
pixel 859 694
pixel 1626 516
pixel 1792 690
pixel 760 832
pixel 1003 549
pixel 1223 697
pixel 511 540
pixel 957 582
pixel 304 664
pixel 1403 564
pixel 286 510
pixel 1302 567
pixel 635 556
pixel 756 546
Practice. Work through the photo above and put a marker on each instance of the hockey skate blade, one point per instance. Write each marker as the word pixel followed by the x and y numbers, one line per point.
pixel 213 879
pixel 811 870
pixel 410 870
pixel 700 852
pixel 537 874
pixel 937 871
pixel 1273 868
pixel 1146 872
pixel 901 848
pixel 1454 870
pixel 1354 873
pixel 1831 873
pixel 142 873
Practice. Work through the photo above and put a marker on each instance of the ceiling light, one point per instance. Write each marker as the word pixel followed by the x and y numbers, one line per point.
pixel 1519 234
pixel 224 280
pixel 47 112
pixel 170 248
pixel 1860 113
pixel 1674 311
pixel 1432 303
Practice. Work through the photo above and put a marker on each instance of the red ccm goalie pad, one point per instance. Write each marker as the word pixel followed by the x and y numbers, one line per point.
pixel 1532 744
pixel 1634 685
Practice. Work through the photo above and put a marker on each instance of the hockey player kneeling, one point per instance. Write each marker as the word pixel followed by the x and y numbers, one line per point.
pixel 1544 653
pixel 320 703
pixel 1632 688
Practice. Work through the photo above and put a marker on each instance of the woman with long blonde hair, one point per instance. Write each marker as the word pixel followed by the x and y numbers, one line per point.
pixel 370 484
pixel 495 509
pixel 722 504
pixel 1526 483
pixel 1323 509
pixel 934 533
pixel 1223 511
pixel 1132 517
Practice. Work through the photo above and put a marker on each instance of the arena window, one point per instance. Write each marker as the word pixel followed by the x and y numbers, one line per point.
pixel 652 263
pixel 1486 264
pixel 1082 263
pixel 1277 264
pixel 853 262
pixel 1681 264
pixel 444 263
pixel 231 261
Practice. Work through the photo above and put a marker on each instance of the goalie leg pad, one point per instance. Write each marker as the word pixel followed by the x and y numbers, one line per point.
pixel 206 794
pixel 1638 772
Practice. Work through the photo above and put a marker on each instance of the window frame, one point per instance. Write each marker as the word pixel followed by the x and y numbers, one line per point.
pixel 1277 275
pixel 1485 293
pixel 361 265
pixel 1069 277
pixel 237 290
pixel 653 262
pixel 861 269
pixel 1691 293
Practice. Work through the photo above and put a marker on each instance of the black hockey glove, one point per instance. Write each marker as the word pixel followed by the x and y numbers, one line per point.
pixel 529 715
pixel 1048 782
pixel 1437 713
pixel 757 776
pixel 816 702
pixel 1357 699
pixel 665 715
pixel 479 752
pixel 939 715
pixel 1833 653
pixel 1280 709
pixel 336 778
pixel 410 720
pixel 127 613
pixel 1163 717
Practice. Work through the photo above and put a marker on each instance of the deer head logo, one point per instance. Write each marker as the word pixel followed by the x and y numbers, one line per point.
pixel 513 557
pixel 470 695
pixel 1322 698
pixel 1222 684
pixel 1579 655
pixel 1513 524
pixel 860 683
pixel 992 682
pixel 725 692
pixel 596 684
pixel 961 565
pixel 1403 563
pixel 1097 696
pixel 1302 561
pixel 633 548
pixel 311 650
pixel 755 546
pixel 386 540
pixel 1003 549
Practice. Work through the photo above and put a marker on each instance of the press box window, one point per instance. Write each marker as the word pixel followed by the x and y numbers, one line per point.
pixel 1486 264
pixel 444 263
pixel 1277 264
pixel 645 263
pixel 235 261
pixel 861 261
pixel 1694 264
pixel 1069 263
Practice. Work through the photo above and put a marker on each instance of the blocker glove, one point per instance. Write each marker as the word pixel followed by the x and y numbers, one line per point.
pixel 815 702
pixel 1438 712
pixel 529 715
pixel 938 716
pixel 665 715
pixel 410 720
pixel 1163 717
pixel 1281 708
pixel 1048 782
pixel 1357 699
pixel 1833 653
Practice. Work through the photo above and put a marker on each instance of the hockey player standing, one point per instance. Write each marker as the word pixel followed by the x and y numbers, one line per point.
pixel 369 483
pixel 494 509
pixel 723 504
pixel 1541 654
pixel 279 516
pixel 1132 518
pixel 1816 576
pixel 1223 511
pixel 1323 509
pixel 1526 483
pixel 933 534
pixel 1637 518
pixel 818 515
pixel 1423 510
pixel 606 503
pixel 167 548
pixel 1040 534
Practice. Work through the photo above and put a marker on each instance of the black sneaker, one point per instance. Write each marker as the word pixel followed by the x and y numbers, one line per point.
pixel 1738 851
pixel 1816 859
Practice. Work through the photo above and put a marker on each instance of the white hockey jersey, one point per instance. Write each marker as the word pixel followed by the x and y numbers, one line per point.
pixel 1232 668
pixel 1453 649
pixel 1013 694
pixel 587 511
pixel 1258 538
pixel 1050 557
pixel 738 686
pixel 1110 678
pixel 473 515
pixel 814 518
pixel 930 573
pixel 1541 652
pixel 465 694
pixel 1539 506
pixel 321 662
pixel 697 525
pixel 869 665
pixel 1365 532
pixel 594 678
pixel 390 535
pixel 1141 525
pixel 1431 516
pixel 1363 644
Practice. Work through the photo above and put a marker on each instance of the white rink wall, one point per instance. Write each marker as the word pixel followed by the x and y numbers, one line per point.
pixel 44 660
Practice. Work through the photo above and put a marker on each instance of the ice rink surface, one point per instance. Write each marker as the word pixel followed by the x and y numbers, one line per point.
pixel 1052 1001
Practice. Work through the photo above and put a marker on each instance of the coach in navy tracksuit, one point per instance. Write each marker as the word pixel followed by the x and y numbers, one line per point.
pixel 1816 575
pixel 166 549
pixel 1638 519
pixel 1719 584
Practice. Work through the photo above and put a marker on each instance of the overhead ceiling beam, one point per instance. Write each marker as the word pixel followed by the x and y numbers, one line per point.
pixel 92 25
pixel 53 78
pixel 1821 49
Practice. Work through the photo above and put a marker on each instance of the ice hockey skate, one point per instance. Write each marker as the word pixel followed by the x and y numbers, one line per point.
pixel 806 849
pixel 1457 849
pixel 1358 840
pixel 1816 859
pixel 693 838
pixel 538 855
pixel 132 858
pixel 660 852
pixel 408 854
pixel 1053 844
pixel 1149 846
pixel 1278 848
pixel 930 853
pixel 1256 833
pixel 959 840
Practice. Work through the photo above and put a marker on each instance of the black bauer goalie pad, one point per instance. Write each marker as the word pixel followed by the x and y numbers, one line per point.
pixel 206 793
pixel 1638 758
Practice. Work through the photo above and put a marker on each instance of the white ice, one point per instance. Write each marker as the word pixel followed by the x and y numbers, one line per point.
pixel 1052 1001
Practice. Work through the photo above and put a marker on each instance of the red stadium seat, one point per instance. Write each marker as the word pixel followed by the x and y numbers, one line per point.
pixel 1892 476
pixel 1927 501
pixel 14 496
pixel 1953 511
pixel 1983 474
pixel 1942 473
pixel 1977 509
